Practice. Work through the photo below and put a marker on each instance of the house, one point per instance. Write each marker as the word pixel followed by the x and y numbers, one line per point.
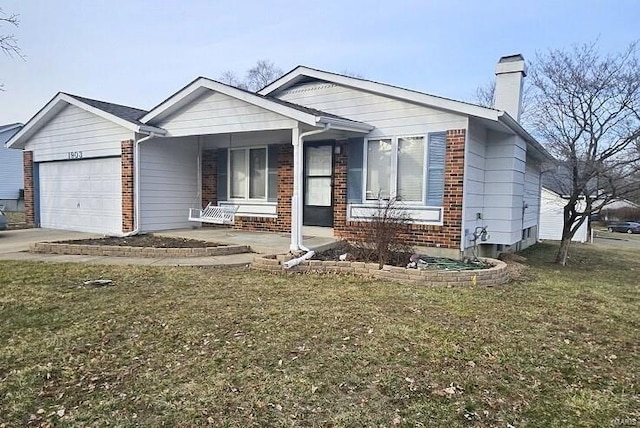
pixel 11 180
pixel 313 148
pixel 620 209
pixel 552 217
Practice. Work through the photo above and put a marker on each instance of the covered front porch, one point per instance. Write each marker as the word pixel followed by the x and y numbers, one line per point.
pixel 280 166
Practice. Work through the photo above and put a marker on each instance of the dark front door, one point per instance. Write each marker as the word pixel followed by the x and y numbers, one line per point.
pixel 318 188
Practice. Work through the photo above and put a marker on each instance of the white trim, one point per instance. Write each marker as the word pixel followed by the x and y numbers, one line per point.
pixel 56 104
pixel 392 91
pixel 393 170
pixel 421 98
pixel 195 88
pixel 414 211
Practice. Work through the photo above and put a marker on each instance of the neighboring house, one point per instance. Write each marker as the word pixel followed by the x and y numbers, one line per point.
pixel 552 217
pixel 11 179
pixel 620 210
pixel 312 148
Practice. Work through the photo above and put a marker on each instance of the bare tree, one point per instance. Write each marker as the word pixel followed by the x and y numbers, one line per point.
pixel 261 74
pixel 484 95
pixel 351 73
pixel 231 78
pixel 256 78
pixel 9 42
pixel 586 111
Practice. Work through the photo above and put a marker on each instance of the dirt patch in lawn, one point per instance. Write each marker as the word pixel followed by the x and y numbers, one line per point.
pixel 150 240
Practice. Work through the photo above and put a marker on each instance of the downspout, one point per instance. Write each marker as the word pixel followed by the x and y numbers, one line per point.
pixel 136 182
pixel 296 201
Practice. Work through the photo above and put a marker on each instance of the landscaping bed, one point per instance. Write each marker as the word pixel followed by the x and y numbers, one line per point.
pixel 148 240
pixel 350 252
pixel 150 246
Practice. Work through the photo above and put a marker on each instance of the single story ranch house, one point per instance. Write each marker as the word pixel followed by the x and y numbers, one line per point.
pixel 312 148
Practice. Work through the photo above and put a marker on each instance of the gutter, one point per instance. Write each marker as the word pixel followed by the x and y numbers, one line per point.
pixel 296 201
pixel 136 176
pixel 512 124
pixel 344 124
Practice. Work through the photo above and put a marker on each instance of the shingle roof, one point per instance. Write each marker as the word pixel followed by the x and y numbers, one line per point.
pixel 129 114
pixel 9 126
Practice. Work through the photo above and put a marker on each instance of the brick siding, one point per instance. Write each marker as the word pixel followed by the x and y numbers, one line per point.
pixel 445 236
pixel 29 201
pixel 128 205
pixel 285 191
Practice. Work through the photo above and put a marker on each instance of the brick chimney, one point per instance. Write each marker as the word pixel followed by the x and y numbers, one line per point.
pixel 510 73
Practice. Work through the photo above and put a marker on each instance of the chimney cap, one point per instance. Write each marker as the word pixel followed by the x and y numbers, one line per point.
pixel 511 58
pixel 511 64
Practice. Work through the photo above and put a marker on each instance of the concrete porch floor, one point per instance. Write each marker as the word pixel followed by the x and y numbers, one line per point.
pixel 260 242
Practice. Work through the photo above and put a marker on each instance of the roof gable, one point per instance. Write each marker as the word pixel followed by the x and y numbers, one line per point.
pixel 303 74
pixel 202 85
pixel 116 113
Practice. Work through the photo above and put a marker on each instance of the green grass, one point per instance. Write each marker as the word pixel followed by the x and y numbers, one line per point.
pixel 192 347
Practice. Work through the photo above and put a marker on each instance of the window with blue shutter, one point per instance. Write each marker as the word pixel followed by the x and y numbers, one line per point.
pixel 435 169
pixel 355 149
pixel 221 166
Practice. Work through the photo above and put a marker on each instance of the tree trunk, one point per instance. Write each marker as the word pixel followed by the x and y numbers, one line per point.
pixel 565 242
pixel 563 251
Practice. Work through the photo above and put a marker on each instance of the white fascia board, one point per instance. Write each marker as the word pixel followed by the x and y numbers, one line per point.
pixel 383 89
pixel 236 93
pixel 514 126
pixel 52 107
pixel 101 113
pixel 55 105
pixel 345 125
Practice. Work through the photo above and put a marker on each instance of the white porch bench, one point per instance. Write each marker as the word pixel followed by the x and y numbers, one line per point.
pixel 214 214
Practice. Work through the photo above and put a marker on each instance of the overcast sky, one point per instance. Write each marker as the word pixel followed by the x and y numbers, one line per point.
pixel 139 52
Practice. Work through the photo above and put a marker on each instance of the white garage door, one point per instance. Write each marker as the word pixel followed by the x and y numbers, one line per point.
pixel 83 195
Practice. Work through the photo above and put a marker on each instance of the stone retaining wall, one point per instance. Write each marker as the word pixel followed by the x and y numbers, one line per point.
pixel 448 278
pixel 120 251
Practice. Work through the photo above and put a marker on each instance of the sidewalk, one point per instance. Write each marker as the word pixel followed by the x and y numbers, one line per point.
pixel 14 245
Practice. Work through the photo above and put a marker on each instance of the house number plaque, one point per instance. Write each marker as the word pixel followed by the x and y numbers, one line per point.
pixel 75 155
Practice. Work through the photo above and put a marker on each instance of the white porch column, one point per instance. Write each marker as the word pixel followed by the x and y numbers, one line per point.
pixel 296 206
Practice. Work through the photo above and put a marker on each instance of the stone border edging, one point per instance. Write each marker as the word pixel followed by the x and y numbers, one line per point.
pixel 145 252
pixel 495 275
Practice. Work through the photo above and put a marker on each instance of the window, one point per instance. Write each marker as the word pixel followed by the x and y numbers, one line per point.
pixel 410 168
pixel 378 169
pixel 411 154
pixel 248 178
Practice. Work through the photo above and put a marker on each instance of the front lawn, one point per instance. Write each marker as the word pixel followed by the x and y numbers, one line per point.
pixel 194 347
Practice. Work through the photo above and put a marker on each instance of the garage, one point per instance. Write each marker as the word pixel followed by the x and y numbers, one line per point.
pixel 82 195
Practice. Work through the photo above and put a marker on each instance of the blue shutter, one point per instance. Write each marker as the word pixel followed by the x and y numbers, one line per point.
pixel 272 165
pixel 355 149
pixel 221 167
pixel 435 169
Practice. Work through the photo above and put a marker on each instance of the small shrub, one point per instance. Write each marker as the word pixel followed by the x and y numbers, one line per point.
pixel 383 237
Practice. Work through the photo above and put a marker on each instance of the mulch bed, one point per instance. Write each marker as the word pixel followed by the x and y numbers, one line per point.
pixel 149 240
pixel 400 258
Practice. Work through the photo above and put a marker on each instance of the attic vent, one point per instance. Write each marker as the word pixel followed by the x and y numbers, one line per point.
pixel 308 87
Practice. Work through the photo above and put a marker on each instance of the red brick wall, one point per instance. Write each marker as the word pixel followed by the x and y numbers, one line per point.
pixel 445 236
pixel 29 202
pixel 209 177
pixel 285 192
pixel 128 205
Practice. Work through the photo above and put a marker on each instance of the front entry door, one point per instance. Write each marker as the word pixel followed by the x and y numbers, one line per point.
pixel 318 188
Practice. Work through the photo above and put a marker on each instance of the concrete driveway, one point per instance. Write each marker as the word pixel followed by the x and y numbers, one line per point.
pixel 15 241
